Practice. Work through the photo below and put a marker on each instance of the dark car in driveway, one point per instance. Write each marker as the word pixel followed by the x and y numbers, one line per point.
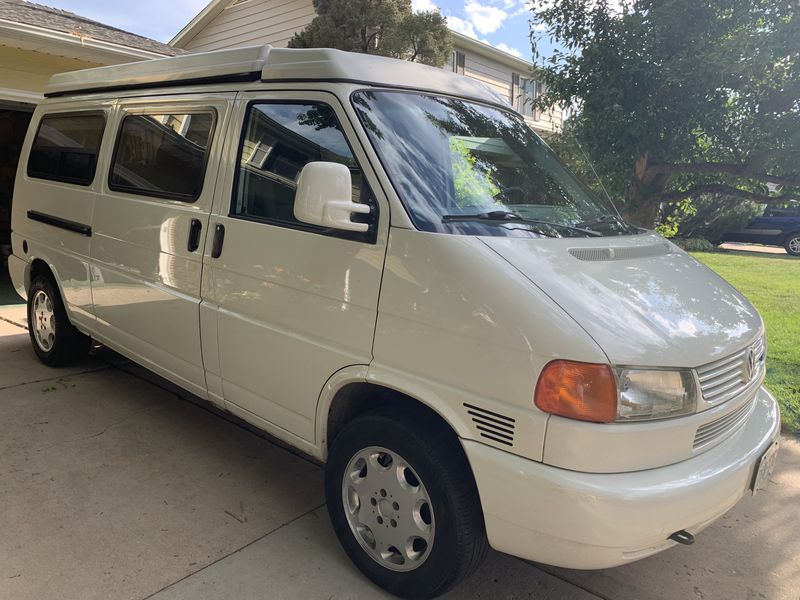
pixel 777 227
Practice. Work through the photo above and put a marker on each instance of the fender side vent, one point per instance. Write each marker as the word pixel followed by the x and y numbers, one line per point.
pixel 619 253
pixel 491 425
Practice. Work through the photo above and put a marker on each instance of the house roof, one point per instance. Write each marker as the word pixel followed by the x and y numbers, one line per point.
pixel 200 20
pixel 38 16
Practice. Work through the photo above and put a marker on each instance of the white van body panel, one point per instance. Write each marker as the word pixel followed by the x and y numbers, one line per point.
pixel 293 307
pixel 66 252
pixel 661 310
pixel 458 325
pixel 146 283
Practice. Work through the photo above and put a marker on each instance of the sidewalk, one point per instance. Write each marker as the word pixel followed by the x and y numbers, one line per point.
pixel 113 486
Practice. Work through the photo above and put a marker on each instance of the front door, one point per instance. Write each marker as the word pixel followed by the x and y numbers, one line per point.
pixel 294 303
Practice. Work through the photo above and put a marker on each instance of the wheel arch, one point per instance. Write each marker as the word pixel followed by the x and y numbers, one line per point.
pixel 350 394
pixel 39 265
pixel 790 235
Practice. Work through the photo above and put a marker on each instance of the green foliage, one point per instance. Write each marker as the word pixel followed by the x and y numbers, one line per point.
pixel 714 216
pixel 772 284
pixel 473 184
pixel 680 210
pixel 382 27
pixel 694 244
pixel 679 99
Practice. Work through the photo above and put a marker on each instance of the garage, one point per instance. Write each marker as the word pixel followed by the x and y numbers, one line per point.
pixel 37 41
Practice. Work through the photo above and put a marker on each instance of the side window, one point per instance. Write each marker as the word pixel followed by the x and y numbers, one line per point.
pixel 162 155
pixel 66 147
pixel 279 140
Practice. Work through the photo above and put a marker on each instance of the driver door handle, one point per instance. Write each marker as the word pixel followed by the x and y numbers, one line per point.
pixel 219 240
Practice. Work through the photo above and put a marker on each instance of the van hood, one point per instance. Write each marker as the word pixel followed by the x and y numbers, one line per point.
pixel 643 300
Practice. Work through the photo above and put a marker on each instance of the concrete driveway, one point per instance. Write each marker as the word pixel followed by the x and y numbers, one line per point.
pixel 113 485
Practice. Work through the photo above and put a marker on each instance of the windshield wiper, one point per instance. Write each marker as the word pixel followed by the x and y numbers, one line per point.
pixel 501 217
pixel 600 220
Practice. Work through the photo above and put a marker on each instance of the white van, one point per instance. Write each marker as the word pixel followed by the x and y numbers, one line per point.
pixel 381 265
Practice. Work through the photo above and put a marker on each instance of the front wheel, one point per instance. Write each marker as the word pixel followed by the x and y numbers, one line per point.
pixel 55 340
pixel 404 505
pixel 792 244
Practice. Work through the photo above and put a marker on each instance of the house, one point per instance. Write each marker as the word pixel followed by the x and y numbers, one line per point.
pixel 36 42
pixel 234 23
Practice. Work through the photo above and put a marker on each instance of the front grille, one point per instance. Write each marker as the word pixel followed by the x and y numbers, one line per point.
pixel 726 378
pixel 491 425
pixel 715 430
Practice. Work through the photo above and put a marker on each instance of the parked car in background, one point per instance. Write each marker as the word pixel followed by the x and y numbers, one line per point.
pixel 776 227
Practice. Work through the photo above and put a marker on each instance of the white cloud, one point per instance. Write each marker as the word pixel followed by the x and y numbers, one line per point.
pixel 461 26
pixel 486 19
pixel 506 48
pixel 423 5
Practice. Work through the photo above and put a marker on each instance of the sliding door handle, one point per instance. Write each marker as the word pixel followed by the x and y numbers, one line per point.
pixel 219 239
pixel 195 229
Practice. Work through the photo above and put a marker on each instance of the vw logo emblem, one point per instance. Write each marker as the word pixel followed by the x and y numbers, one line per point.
pixel 750 365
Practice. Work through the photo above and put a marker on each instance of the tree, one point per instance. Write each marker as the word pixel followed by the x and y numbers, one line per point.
pixel 678 99
pixel 383 27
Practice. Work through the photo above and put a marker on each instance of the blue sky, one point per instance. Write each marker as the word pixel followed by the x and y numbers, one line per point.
pixel 501 23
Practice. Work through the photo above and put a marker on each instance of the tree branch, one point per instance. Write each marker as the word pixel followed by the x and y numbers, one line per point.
pixel 738 170
pixel 719 188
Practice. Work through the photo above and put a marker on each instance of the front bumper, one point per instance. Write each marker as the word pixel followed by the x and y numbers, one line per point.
pixel 593 521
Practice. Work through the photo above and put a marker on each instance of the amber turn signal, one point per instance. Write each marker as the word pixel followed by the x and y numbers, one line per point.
pixel 577 390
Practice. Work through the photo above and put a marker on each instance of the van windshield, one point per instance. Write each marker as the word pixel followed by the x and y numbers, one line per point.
pixel 465 168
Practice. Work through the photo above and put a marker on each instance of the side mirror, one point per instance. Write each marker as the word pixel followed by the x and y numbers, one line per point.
pixel 325 197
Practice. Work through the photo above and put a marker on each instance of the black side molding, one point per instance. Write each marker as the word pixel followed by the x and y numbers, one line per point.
pixel 60 223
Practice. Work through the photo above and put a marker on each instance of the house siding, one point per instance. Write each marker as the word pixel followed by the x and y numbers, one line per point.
pixel 29 71
pixel 274 22
pixel 499 77
pixel 254 22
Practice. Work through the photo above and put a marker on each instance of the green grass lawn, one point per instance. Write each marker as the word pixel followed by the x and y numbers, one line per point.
pixel 772 284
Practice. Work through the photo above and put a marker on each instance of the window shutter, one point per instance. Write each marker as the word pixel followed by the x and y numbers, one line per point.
pixel 515 95
pixel 460 62
pixel 537 91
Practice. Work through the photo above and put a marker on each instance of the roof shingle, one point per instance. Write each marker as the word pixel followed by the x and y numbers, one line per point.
pixel 46 17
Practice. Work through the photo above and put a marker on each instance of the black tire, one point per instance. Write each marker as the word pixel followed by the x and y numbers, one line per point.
pixel 63 344
pixel 792 244
pixel 459 542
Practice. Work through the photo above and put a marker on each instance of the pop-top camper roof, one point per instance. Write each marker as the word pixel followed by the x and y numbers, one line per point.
pixel 265 63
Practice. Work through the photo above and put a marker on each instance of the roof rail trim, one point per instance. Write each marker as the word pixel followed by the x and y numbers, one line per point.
pixel 235 78
pixel 178 70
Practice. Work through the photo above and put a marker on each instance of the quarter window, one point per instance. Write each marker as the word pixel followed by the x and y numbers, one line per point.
pixel 162 155
pixel 279 140
pixel 66 147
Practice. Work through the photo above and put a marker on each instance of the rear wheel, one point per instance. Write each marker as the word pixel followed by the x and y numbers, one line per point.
pixel 792 244
pixel 55 340
pixel 404 505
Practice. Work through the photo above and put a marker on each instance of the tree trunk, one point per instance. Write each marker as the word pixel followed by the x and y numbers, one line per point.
pixel 644 195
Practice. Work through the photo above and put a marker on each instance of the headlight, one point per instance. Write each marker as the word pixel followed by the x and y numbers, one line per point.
pixel 654 394
pixel 598 393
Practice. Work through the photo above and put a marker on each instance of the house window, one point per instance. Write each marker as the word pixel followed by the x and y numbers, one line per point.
pixel 459 62
pixel 527 91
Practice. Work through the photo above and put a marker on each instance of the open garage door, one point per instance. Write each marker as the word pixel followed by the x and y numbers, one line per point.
pixel 14 120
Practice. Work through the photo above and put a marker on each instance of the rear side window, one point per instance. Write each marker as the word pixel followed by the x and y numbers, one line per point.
pixel 162 155
pixel 66 147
